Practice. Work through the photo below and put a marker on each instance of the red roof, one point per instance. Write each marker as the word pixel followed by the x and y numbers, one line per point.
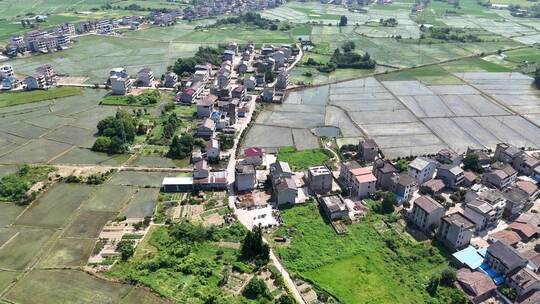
pixel 253 151
pixel 189 91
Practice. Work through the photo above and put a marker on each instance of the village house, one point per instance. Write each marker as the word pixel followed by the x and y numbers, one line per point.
pixel 145 77
pixel 283 186
pixel 384 171
pixel 223 78
pixel 239 92
pixel 6 70
pixel 319 179
pixel 403 186
pixel 451 175
pixel 455 231
pixel 206 128
pixel 268 94
pixel 334 207
pixel 35 81
pixel 426 213
pixel 253 156
pixel 260 79
pixel 517 201
pixel 171 80
pixel 484 160
pixel 368 150
pixel 421 169
pixel 177 184
pixel 359 181
pixel 282 80
pixel 507 237
pixel 525 164
pixel 245 177
pixel 49 73
pixel 250 83
pixel 523 281
pixel 448 157
pixel 469 179
pixel 200 75
pixel 119 72
pixel 504 259
pixel 242 67
pixel 205 106
pixel 506 153
pixel 10 83
pixel 279 58
pixel 120 85
pixel 212 149
pixel 483 214
pixel 229 55
pixel 524 230
pixel 477 285
pixel 432 186
pixel 190 94
pixel 201 169
pixel 501 176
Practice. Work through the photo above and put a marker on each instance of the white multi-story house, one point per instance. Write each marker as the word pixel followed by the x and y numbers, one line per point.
pixel 422 169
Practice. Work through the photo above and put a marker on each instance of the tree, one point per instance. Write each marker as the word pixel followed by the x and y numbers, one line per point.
pixel 343 21
pixel 402 165
pixel 102 144
pixel 254 248
pixel 256 289
pixel 470 162
pixel 432 285
pixel 348 46
pixel 448 277
pixel 286 299
pixel 181 146
pixel 389 200
pixel 126 249
pixel 537 77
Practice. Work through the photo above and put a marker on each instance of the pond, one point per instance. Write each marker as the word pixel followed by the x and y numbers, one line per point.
pixel 327 131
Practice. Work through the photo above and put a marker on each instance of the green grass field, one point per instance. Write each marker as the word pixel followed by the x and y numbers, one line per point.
pixel 430 75
pixel 358 267
pixel 530 55
pixel 300 160
pixel 16 98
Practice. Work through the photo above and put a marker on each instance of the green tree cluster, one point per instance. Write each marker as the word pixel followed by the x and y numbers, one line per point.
pixel 249 18
pixel 256 289
pixel 182 146
pixel 254 248
pixel 115 133
pixel 470 162
pixel 186 66
pixel 126 249
pixel 348 59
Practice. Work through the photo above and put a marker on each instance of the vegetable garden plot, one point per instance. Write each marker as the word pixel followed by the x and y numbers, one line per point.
pixel 36 151
pixel 109 197
pixel 427 106
pixel 53 209
pixel 535 118
pixel 68 253
pixel 412 140
pixel 142 204
pixel 393 153
pixel 153 161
